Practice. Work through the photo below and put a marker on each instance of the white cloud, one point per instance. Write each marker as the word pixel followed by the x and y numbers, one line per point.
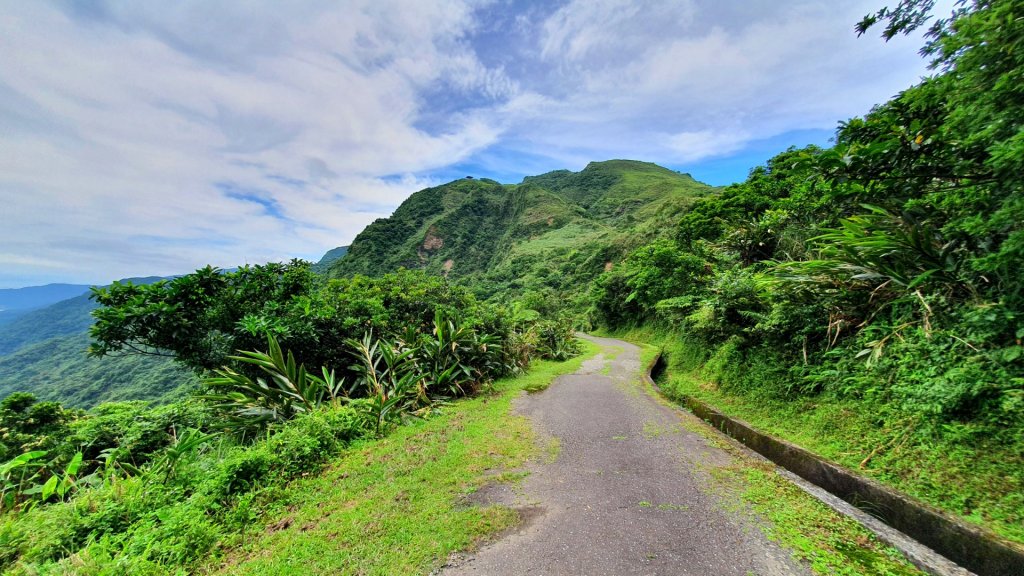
pixel 693 146
pixel 607 31
pixel 143 138
pixel 655 80
pixel 147 108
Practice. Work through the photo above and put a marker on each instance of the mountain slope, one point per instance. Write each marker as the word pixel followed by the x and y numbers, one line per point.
pixel 59 369
pixel 66 317
pixel 549 232
pixel 329 258
pixel 43 351
pixel 70 316
pixel 38 296
pixel 15 302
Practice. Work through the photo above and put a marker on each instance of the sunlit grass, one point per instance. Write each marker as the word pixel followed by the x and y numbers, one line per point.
pixel 396 506
pixel 951 476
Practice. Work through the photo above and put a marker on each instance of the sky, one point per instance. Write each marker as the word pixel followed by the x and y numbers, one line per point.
pixel 146 138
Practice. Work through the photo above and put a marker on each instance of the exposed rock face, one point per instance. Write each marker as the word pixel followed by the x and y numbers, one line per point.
pixel 432 242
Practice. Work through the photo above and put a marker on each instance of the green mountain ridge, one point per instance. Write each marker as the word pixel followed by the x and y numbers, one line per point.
pixel 65 317
pixel 550 232
pixel 15 302
pixel 43 351
pixel 332 255
pixel 59 369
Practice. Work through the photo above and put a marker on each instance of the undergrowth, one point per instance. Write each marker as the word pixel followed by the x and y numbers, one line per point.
pixel 978 479
pixel 397 506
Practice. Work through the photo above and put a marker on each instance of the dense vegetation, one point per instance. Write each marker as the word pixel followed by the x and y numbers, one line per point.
pixel 864 299
pixel 882 275
pixel 43 351
pixel 538 241
pixel 131 488
pixel 63 318
pixel 60 369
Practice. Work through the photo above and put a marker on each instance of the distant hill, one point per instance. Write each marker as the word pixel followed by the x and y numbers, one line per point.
pixel 329 258
pixel 43 351
pixel 59 369
pixel 70 316
pixel 16 301
pixel 9 315
pixel 548 233
pixel 38 296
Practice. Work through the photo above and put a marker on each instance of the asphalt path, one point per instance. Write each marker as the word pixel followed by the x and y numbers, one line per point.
pixel 629 492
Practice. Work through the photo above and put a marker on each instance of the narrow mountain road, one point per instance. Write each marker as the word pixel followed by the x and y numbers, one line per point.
pixel 629 492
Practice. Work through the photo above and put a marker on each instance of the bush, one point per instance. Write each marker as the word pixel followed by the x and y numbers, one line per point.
pixel 134 431
pixel 297 447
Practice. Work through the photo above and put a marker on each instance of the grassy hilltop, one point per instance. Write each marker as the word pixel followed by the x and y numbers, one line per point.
pixel 551 233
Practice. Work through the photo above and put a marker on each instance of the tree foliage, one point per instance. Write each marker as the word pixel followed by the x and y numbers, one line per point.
pixel 903 241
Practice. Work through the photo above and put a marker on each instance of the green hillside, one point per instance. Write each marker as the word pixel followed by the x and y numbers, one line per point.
pixel 59 369
pixel 66 317
pixel 332 255
pixel 549 233
pixel 17 301
pixel 43 352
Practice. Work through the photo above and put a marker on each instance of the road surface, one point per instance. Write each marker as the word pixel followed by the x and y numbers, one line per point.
pixel 629 492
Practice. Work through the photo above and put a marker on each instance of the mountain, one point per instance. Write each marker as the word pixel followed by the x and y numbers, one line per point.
pixel 59 369
pixel 43 351
pixel 329 258
pixel 548 233
pixel 16 301
pixel 66 317
pixel 38 296
pixel 69 316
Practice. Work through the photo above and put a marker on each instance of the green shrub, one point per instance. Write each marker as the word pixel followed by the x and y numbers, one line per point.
pixel 134 431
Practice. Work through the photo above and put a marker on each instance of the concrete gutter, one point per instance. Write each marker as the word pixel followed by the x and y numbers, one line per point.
pixel 943 537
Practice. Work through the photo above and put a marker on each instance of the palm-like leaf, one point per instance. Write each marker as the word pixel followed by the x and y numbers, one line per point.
pixel 286 391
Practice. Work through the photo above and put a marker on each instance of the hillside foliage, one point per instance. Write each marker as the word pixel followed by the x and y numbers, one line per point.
pixel 541 240
pixel 878 278
pixel 60 369
pixel 885 270
pixel 149 488
pixel 43 352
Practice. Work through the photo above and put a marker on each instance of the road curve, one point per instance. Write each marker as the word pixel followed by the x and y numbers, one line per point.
pixel 628 493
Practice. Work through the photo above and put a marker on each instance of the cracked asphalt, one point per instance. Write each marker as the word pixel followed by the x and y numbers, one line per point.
pixel 628 493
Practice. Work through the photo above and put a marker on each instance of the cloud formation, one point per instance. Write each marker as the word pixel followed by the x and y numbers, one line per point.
pixel 142 138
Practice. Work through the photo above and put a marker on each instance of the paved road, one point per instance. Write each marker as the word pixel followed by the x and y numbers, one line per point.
pixel 628 493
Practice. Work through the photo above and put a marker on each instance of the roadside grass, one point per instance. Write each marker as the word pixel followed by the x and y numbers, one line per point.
pixel 398 505
pixel 830 543
pixel 981 484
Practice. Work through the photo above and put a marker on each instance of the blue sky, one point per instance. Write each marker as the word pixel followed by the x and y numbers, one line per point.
pixel 152 138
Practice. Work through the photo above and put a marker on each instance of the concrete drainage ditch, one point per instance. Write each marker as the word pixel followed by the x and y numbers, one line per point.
pixel 973 548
